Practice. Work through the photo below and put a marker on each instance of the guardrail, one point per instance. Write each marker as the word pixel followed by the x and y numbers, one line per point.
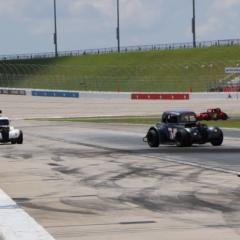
pixel 164 46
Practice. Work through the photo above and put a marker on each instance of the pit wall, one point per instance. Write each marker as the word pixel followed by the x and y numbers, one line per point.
pixel 120 95
pixel 215 95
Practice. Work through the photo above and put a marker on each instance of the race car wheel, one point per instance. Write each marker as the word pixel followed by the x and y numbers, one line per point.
pixel 207 118
pixel 183 139
pixel 153 138
pixel 13 142
pixel 217 141
pixel 224 117
pixel 20 138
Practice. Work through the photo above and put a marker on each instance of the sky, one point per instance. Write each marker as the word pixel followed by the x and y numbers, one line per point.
pixel 27 25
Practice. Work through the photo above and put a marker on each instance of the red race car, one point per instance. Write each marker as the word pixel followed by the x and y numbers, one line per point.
pixel 212 114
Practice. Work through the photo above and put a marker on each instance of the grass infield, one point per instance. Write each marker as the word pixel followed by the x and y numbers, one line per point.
pixel 231 123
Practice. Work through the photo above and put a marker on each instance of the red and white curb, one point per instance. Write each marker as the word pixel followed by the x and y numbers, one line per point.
pixel 16 224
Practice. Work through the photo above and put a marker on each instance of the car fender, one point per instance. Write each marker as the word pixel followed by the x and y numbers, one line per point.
pixel 162 131
pixel 154 128
pixel 183 138
pixel 14 133
pixel 214 132
pixel 224 116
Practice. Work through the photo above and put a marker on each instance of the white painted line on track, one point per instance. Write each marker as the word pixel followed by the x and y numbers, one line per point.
pixel 16 224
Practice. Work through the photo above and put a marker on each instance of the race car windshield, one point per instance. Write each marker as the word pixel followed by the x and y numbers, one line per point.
pixel 4 122
pixel 188 118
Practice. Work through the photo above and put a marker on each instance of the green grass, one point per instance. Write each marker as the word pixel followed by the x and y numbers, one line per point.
pixel 169 70
pixel 115 120
pixel 231 123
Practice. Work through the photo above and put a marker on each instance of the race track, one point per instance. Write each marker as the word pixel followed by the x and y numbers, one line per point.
pixel 101 182
pixel 88 181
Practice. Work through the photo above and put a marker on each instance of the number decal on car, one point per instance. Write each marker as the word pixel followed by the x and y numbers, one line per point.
pixel 172 133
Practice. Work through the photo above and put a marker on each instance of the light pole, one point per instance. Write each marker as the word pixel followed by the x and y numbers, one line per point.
pixel 55 30
pixel 194 25
pixel 118 25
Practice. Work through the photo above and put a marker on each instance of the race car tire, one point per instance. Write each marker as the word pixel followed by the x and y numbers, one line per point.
pixel 153 138
pixel 207 118
pixel 217 141
pixel 225 117
pixel 13 141
pixel 183 138
pixel 20 138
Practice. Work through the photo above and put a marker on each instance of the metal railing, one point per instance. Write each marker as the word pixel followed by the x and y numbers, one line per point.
pixel 139 48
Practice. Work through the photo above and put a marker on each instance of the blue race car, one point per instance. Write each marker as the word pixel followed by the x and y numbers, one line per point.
pixel 182 129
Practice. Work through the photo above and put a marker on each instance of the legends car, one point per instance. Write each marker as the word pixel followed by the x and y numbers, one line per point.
pixel 9 133
pixel 182 129
pixel 212 114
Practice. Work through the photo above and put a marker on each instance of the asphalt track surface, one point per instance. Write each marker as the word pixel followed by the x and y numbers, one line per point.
pixel 101 182
pixel 97 181
pixel 128 139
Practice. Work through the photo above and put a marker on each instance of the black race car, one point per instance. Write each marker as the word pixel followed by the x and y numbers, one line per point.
pixel 183 129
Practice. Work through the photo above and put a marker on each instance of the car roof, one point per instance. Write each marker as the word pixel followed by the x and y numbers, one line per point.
pixel 178 112
pixel 4 118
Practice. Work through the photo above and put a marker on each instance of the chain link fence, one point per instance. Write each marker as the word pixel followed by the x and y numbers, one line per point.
pixel 170 77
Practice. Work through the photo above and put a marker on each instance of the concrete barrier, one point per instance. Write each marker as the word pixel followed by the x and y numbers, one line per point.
pixel 160 96
pixel 120 95
pixel 8 91
pixel 49 93
pixel 215 95
pixel 67 94
pixel 106 95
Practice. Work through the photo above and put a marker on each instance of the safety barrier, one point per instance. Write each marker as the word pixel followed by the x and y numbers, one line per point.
pixel 13 92
pixel 42 93
pixel 160 96
pixel 120 95
pixel 106 95
pixel 215 95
